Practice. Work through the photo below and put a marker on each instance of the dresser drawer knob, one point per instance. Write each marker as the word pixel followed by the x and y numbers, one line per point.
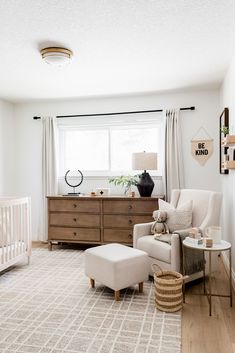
pixel 130 221
pixel 74 233
pixel 75 219
pixel 74 205
pixel 130 235
pixel 130 207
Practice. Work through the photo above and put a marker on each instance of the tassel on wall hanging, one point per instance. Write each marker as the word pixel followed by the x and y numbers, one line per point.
pixel 201 146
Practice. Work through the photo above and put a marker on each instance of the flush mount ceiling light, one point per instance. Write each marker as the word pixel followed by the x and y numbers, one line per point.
pixel 56 56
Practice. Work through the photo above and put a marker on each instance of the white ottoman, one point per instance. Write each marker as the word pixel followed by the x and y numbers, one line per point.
pixel 116 266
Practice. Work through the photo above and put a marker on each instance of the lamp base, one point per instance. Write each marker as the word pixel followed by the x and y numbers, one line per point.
pixel 145 185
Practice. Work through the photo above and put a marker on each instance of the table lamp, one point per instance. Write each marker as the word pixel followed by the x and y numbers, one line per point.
pixel 145 161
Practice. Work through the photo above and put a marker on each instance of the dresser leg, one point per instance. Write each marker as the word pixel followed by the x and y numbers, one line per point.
pixel 92 283
pixel 117 295
pixel 50 246
pixel 141 287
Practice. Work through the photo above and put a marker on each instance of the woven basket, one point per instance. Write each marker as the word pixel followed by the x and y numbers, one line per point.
pixel 168 289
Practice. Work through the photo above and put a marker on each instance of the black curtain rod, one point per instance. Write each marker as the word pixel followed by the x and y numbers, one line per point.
pixel 117 113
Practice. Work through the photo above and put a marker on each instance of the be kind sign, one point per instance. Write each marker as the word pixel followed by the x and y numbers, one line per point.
pixel 202 150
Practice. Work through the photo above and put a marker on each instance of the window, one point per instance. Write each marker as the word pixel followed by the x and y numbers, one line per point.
pixel 105 146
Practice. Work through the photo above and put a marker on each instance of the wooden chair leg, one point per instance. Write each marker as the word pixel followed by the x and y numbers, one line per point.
pixel 117 295
pixel 141 287
pixel 92 283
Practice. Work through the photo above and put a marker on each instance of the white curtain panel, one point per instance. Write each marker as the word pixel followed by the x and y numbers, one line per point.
pixel 49 168
pixel 174 172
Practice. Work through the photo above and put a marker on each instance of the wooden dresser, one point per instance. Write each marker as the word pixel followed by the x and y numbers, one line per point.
pixel 97 220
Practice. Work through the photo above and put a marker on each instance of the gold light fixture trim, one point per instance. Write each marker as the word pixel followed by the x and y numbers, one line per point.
pixel 56 55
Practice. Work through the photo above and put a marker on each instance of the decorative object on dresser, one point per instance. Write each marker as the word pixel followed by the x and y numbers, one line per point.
pixel 73 178
pixel 146 161
pixel 102 191
pixel 97 220
pixel 126 182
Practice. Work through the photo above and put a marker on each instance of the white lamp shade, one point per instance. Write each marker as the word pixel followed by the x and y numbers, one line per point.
pixel 144 161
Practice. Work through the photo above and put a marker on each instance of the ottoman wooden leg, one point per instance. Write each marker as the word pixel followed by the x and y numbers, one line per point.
pixel 92 283
pixel 141 287
pixel 117 295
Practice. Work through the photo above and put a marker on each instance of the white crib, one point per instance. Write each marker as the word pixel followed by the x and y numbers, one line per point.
pixel 15 230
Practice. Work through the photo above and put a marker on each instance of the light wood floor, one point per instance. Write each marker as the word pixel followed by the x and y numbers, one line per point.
pixel 200 332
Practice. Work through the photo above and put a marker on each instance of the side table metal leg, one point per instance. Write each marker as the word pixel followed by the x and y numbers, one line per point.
pixel 230 277
pixel 204 273
pixel 210 282
pixel 183 270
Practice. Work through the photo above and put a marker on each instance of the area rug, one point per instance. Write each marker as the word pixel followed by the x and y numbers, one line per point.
pixel 48 307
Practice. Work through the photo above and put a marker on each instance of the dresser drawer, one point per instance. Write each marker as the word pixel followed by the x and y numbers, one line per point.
pixel 130 206
pixel 83 234
pixel 89 206
pixel 118 235
pixel 124 221
pixel 74 220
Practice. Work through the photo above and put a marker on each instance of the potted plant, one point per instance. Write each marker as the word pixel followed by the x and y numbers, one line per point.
pixel 225 130
pixel 125 181
pixel 228 139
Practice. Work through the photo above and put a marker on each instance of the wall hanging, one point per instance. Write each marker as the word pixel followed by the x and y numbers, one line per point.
pixel 201 146
pixel 223 147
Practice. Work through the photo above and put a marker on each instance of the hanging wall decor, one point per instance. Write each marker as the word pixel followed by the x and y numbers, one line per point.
pixel 201 146
pixel 223 147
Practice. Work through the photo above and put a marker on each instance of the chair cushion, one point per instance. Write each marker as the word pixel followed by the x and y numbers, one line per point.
pixel 155 248
pixel 177 218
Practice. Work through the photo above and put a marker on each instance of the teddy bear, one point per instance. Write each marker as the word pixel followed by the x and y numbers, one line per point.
pixel 159 227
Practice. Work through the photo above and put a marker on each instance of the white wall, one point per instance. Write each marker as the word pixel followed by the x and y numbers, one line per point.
pixel 228 181
pixel 7 149
pixel 28 139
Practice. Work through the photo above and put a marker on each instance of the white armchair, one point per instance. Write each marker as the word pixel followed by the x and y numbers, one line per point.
pixel 206 212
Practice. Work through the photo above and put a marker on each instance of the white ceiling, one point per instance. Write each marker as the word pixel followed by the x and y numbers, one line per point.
pixel 120 46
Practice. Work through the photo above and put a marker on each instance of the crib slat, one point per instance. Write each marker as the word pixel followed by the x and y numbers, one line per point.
pixel 2 234
pixel 15 230
pixel 7 219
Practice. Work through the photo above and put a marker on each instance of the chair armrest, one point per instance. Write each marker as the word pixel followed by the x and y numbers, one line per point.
pixel 182 231
pixel 175 252
pixel 141 230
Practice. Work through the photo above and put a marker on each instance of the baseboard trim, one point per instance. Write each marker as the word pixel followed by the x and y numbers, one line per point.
pixel 226 266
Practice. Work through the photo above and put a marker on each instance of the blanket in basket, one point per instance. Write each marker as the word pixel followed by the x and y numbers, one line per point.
pixel 193 259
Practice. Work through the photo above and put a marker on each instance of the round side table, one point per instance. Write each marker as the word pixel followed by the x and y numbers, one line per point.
pixel 222 246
